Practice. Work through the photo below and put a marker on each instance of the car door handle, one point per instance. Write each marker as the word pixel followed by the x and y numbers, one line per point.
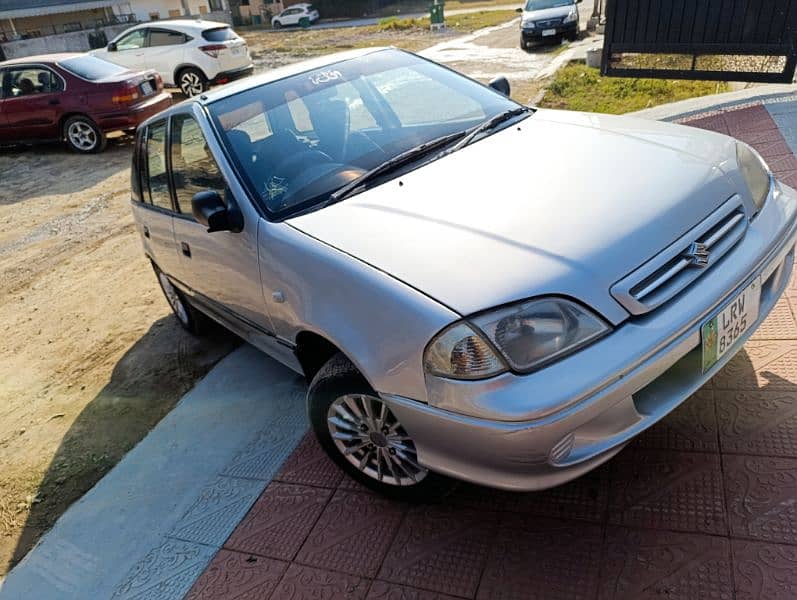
pixel 186 249
pixel 146 231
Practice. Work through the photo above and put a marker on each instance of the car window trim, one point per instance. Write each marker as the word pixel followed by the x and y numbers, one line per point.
pixel 7 69
pixel 169 182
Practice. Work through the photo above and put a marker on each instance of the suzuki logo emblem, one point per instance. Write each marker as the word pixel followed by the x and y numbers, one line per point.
pixel 697 254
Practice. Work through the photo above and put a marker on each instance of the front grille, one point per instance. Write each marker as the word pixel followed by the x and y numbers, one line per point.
pixel 549 24
pixel 678 266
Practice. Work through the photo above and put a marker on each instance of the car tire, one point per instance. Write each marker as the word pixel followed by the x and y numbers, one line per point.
pixel 277 25
pixel 339 403
pixel 189 318
pixel 82 135
pixel 192 82
pixel 523 44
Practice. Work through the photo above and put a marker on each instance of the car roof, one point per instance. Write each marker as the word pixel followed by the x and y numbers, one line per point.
pixel 41 58
pixel 283 72
pixel 179 24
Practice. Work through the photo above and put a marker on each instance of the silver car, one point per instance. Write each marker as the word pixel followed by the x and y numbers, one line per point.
pixel 476 290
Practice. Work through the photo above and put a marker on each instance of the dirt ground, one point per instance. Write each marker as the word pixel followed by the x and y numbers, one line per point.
pixel 90 359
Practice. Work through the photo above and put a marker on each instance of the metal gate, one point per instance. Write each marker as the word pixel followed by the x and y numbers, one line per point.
pixel 725 40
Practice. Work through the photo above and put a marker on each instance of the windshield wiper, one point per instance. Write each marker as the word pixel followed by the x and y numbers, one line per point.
pixel 390 165
pixel 490 123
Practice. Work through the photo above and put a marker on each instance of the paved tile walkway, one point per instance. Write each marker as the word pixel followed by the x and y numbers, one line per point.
pixel 704 505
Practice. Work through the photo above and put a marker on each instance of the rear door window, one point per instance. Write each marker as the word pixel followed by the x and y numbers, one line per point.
pixel 193 167
pixel 157 181
pixel 164 37
pixel 27 81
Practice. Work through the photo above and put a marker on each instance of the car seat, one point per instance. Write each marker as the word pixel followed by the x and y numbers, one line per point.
pixel 25 86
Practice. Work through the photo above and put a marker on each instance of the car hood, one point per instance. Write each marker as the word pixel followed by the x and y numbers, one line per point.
pixel 562 203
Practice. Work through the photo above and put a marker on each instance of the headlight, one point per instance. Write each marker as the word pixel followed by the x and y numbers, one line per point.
pixel 459 352
pixel 572 16
pixel 527 24
pixel 537 332
pixel 755 172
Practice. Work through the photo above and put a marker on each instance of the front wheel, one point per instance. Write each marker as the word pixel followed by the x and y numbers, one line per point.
pixel 523 44
pixel 365 438
pixel 192 82
pixel 277 25
pixel 83 136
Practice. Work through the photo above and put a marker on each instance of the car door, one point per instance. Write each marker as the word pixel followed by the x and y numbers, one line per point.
pixel 5 131
pixel 164 51
pixel 291 16
pixel 153 209
pixel 220 270
pixel 31 102
pixel 130 49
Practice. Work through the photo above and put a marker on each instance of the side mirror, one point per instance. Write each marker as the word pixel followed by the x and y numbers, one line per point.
pixel 112 47
pixel 501 84
pixel 520 10
pixel 209 209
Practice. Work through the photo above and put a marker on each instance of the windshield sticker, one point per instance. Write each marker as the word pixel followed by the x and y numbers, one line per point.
pixel 276 188
pixel 325 77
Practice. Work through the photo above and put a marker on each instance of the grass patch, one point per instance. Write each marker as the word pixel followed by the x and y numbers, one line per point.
pixel 473 21
pixel 578 87
pixel 396 24
pixel 406 7
pixel 270 50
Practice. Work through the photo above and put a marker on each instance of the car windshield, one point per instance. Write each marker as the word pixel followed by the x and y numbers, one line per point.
pixel 91 68
pixel 299 139
pixel 219 34
pixel 545 4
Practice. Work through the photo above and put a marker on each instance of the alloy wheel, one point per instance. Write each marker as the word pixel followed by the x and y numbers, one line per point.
pixel 370 437
pixel 82 136
pixel 191 84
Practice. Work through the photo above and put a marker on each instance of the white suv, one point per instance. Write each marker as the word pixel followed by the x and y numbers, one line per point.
pixel 293 14
pixel 191 55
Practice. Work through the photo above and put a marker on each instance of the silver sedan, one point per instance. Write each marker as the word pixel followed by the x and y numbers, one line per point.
pixel 475 290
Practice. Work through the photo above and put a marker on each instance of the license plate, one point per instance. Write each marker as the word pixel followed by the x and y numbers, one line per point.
pixel 146 88
pixel 548 32
pixel 721 333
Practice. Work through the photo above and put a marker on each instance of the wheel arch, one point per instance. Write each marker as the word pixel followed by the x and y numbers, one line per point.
pixel 313 351
pixel 66 116
pixel 182 67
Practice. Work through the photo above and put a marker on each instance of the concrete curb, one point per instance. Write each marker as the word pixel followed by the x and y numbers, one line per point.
pixel 150 527
pixel 693 107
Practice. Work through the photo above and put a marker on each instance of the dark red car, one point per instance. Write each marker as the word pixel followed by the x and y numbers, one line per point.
pixel 78 98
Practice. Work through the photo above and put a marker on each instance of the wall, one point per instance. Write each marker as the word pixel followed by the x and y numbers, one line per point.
pixel 76 41
pixel 49 24
pixel 143 9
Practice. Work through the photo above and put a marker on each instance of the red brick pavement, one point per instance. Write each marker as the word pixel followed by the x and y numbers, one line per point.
pixel 704 505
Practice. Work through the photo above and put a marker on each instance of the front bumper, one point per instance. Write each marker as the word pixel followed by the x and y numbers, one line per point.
pixel 541 430
pixel 228 76
pixel 535 35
